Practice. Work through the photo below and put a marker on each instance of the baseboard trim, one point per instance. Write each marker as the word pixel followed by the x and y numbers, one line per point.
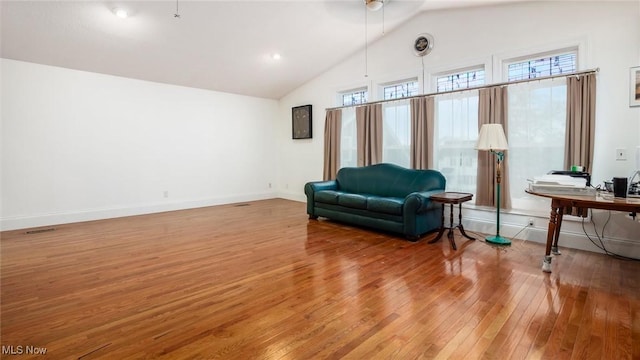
pixel 483 221
pixel 293 196
pixel 570 237
pixel 25 222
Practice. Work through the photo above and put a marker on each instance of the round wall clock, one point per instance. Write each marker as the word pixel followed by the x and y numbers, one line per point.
pixel 423 44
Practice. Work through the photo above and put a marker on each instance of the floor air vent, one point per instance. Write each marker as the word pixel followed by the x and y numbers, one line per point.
pixel 242 205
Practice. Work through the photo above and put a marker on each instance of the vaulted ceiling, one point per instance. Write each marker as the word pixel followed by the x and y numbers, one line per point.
pixel 217 45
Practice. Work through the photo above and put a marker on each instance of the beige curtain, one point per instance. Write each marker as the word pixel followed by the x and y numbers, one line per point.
pixel 369 130
pixel 492 109
pixel 332 127
pixel 422 120
pixel 581 116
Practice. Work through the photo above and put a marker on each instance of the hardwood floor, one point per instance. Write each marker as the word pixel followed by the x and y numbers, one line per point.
pixel 260 281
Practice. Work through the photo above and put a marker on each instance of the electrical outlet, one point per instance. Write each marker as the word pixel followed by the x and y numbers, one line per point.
pixel 166 193
pixel 530 222
pixel 621 154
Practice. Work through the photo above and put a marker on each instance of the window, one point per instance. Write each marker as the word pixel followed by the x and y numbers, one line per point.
pixel 400 90
pixel 348 132
pixel 532 68
pixel 354 97
pixel 537 120
pixel 456 128
pixel 460 80
pixel 455 136
pixel 396 122
pixel 396 133
pixel 348 139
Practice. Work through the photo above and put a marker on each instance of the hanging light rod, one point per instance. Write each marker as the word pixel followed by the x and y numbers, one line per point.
pixel 177 13
pixel 371 5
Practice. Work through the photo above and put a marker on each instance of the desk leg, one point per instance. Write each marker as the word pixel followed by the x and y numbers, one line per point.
pixel 553 218
pixel 556 235
pixel 441 228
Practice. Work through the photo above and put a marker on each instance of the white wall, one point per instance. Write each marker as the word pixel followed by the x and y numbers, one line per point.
pixel 80 146
pixel 607 33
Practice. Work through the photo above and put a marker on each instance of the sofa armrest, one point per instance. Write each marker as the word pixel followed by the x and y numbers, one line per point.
pixel 418 202
pixel 311 188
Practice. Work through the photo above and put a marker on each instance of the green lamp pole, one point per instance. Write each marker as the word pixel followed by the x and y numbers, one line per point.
pixel 497 239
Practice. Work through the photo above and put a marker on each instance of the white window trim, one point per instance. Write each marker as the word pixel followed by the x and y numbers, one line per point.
pixel 340 94
pixel 381 86
pixel 395 78
pixel 453 68
pixel 458 71
pixel 501 60
pixel 345 88
pixel 506 63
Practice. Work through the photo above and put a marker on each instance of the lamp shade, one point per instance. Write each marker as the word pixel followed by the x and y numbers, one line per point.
pixel 492 137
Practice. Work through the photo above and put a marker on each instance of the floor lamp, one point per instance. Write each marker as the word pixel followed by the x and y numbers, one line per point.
pixel 492 138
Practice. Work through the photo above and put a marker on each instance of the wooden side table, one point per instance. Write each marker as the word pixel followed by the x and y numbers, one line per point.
pixel 451 198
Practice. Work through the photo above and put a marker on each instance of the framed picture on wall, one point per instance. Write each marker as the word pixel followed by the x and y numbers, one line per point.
pixel 301 122
pixel 634 86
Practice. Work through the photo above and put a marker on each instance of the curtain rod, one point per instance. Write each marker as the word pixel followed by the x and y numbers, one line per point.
pixel 468 89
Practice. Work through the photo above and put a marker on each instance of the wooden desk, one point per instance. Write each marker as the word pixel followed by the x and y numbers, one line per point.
pixel 451 198
pixel 560 202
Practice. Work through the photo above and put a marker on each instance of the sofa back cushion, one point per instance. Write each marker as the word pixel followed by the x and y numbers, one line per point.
pixel 388 180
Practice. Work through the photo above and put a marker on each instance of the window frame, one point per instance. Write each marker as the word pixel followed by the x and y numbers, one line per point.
pixel 382 86
pixel 455 71
pixel 533 206
pixel 348 154
pixel 579 44
pixel 467 99
pixel 536 56
pixel 362 89
pixel 390 124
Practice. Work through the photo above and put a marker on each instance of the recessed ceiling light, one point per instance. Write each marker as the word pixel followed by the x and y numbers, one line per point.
pixel 276 56
pixel 121 13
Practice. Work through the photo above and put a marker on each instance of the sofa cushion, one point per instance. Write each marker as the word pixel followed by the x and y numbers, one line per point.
pixel 355 201
pixel 387 205
pixel 327 196
pixel 344 213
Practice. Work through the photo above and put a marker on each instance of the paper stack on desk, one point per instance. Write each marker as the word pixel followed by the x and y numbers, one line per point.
pixel 560 184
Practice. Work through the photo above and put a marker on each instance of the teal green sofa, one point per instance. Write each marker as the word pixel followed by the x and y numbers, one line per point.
pixel 382 196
